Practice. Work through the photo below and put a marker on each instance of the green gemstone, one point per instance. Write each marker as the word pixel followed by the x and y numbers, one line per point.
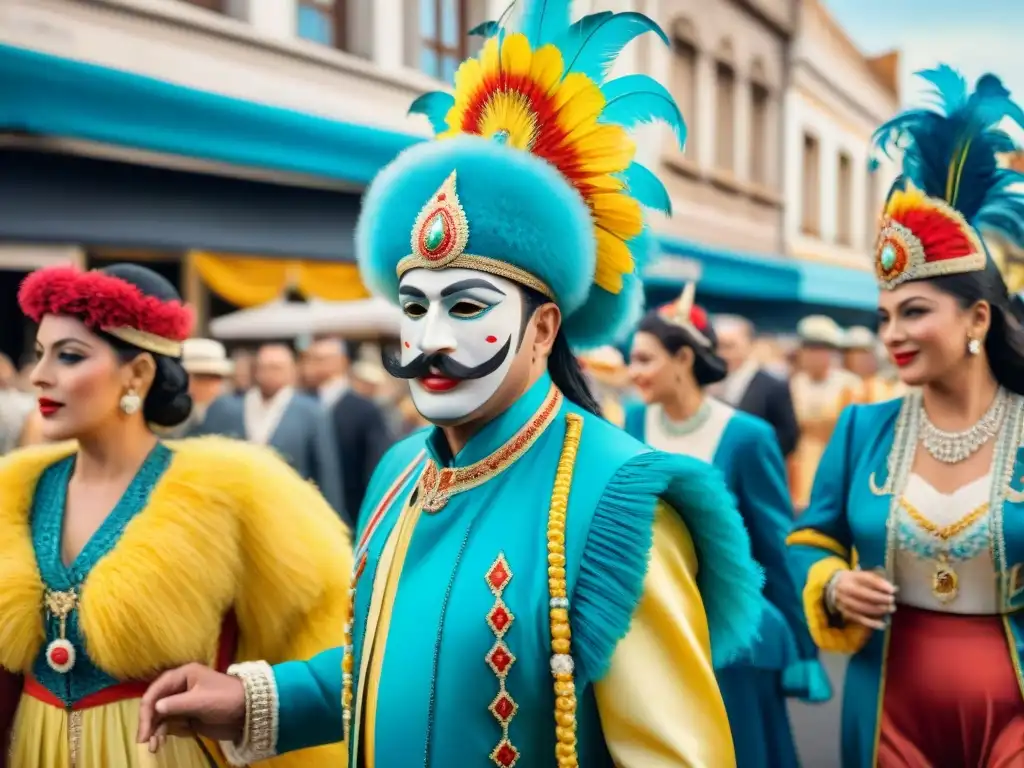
pixel 888 258
pixel 437 229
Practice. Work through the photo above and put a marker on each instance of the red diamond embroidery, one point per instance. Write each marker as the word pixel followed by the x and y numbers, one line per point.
pixel 499 575
pixel 505 755
pixel 500 659
pixel 503 708
pixel 500 619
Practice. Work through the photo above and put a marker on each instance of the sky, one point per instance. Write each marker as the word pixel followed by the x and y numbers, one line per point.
pixel 973 36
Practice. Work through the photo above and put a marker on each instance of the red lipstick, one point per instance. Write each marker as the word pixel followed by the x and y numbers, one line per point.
pixel 434 383
pixel 903 359
pixel 48 407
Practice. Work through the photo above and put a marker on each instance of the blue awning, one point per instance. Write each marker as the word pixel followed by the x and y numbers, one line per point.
pixel 774 292
pixel 53 96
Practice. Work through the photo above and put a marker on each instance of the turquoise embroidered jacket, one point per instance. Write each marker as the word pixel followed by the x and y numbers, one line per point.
pixel 435 688
pixel 856 489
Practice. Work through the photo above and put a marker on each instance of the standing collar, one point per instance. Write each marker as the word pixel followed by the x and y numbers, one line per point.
pixel 495 433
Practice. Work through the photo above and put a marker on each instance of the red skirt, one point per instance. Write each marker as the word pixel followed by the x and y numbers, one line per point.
pixel 952 699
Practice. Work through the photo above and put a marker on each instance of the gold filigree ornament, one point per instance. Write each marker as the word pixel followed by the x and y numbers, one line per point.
pixel 441 232
pixel 440 236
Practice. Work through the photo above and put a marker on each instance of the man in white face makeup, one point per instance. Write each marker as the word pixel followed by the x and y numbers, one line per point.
pixel 532 585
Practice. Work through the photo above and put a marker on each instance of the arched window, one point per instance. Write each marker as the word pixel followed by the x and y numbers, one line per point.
pixel 683 79
pixel 760 123
pixel 725 107
pixel 444 29
pixel 323 21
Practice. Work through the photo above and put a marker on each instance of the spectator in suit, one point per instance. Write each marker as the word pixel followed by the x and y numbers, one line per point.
pixel 273 413
pixel 749 387
pixel 209 373
pixel 359 427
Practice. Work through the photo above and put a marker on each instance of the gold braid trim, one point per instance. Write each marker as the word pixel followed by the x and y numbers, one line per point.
pixel 480 264
pixel 561 635
pixel 150 342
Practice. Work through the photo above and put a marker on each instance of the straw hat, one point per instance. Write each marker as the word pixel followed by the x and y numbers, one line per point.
pixel 206 357
pixel 820 329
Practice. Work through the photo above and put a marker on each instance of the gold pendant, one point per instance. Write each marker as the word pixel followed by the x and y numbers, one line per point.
pixel 945 582
pixel 61 654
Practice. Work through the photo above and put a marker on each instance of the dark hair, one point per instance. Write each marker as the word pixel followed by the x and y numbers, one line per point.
pixel 563 366
pixel 1004 344
pixel 708 367
pixel 168 402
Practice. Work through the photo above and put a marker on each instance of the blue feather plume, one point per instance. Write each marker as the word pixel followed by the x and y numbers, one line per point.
pixel 636 99
pixel 647 188
pixel 435 106
pixel 591 45
pixel 543 20
pixel 952 150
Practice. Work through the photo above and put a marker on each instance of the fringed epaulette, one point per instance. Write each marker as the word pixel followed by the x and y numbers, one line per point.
pixel 617 552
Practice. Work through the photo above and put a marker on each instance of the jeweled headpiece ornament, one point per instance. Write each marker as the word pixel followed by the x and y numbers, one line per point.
pixel 105 302
pixel 952 185
pixel 687 315
pixel 532 173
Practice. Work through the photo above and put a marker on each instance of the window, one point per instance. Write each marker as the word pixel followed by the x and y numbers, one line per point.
pixel 760 112
pixel 210 5
pixel 322 21
pixel 443 37
pixel 725 117
pixel 844 201
pixel 810 221
pixel 684 83
pixel 873 208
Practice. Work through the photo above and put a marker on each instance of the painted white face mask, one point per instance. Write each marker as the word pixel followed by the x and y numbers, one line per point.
pixel 460 332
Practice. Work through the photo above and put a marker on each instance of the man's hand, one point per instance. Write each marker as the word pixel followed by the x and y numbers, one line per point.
pixel 192 700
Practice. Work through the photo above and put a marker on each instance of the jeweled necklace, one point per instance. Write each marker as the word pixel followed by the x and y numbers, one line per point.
pixel 686 426
pixel 954 447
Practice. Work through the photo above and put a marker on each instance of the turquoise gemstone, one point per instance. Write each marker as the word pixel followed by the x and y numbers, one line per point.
pixel 501 136
pixel 436 231
pixel 888 256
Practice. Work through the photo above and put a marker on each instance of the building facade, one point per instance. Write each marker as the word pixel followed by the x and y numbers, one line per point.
pixel 837 97
pixel 156 130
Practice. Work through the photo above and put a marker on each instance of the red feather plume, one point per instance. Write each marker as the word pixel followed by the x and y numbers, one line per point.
pixel 102 301
pixel 942 236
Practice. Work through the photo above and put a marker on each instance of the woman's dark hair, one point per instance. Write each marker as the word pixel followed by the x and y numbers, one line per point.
pixel 1004 344
pixel 563 366
pixel 168 402
pixel 708 367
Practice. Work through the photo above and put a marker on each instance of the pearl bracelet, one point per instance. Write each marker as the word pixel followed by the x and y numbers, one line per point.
pixel 259 735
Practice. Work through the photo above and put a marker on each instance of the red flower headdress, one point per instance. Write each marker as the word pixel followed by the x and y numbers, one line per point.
pixel 107 303
pixel 688 316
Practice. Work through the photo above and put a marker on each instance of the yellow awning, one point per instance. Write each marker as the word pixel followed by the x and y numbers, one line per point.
pixel 249 281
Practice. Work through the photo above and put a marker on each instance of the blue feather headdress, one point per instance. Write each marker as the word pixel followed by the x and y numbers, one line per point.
pixel 953 185
pixel 532 174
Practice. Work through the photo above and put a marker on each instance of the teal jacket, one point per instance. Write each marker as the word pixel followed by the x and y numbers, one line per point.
pixel 750 460
pixel 856 490
pixel 436 687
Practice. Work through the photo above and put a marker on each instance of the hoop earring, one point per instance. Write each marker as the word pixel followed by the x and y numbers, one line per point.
pixel 130 402
pixel 973 346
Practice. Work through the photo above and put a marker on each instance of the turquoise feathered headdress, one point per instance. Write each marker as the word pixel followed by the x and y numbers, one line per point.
pixel 532 173
pixel 953 184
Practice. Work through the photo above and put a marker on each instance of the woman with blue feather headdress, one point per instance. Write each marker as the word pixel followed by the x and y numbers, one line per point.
pixel 911 552
pixel 533 586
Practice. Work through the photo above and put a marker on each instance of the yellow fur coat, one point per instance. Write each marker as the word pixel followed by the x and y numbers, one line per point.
pixel 229 526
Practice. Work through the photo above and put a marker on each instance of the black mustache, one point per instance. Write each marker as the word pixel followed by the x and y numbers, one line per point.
pixel 426 365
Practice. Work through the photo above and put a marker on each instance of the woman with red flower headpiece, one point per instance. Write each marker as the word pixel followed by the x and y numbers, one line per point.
pixel 672 361
pixel 911 551
pixel 122 555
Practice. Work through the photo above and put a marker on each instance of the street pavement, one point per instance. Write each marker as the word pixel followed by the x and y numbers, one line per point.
pixel 816 726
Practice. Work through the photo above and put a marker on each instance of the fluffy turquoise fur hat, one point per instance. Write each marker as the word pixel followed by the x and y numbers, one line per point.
pixel 535 139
